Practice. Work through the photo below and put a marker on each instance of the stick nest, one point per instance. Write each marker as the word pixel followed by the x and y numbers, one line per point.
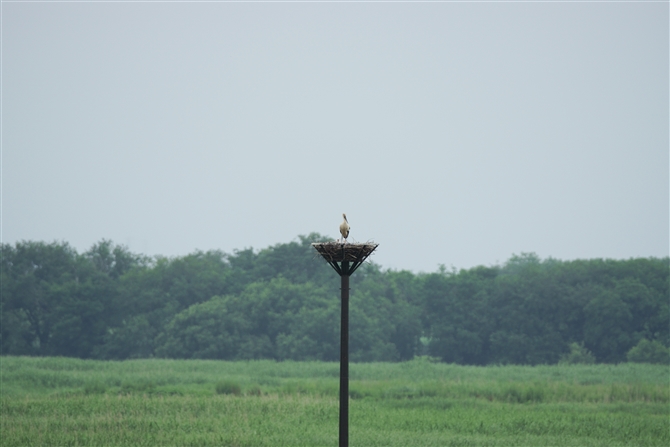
pixel 339 252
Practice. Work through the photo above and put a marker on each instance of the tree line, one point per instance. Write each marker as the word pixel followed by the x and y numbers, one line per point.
pixel 282 303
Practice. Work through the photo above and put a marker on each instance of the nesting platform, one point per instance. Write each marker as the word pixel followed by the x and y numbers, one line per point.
pixel 344 258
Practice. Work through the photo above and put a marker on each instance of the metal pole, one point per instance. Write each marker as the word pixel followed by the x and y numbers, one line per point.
pixel 344 358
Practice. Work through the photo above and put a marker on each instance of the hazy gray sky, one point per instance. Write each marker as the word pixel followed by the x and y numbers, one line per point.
pixel 450 133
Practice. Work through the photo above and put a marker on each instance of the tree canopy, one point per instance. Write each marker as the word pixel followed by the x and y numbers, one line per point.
pixel 282 303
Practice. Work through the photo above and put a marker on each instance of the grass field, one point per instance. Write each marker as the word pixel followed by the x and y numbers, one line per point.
pixel 70 402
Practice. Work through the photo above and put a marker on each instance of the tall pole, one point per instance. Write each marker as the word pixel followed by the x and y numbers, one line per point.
pixel 344 358
pixel 345 259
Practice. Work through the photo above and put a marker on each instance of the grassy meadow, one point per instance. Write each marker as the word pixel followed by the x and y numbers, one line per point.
pixel 71 402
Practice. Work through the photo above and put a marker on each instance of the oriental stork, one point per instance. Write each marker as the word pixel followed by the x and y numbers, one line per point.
pixel 344 228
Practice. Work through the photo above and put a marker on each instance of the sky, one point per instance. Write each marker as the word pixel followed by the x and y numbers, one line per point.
pixel 451 133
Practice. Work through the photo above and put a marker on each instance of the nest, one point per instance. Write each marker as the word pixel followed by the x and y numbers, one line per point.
pixel 352 254
pixel 338 252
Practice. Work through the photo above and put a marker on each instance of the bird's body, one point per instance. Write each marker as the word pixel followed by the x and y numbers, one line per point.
pixel 344 228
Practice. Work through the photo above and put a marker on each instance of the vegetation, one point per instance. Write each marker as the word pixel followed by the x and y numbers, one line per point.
pixel 578 354
pixel 64 401
pixel 228 387
pixel 649 352
pixel 281 303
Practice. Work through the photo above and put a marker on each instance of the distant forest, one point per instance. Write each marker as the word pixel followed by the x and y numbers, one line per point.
pixel 282 303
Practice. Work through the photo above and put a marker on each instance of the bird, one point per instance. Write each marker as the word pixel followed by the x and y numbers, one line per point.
pixel 344 228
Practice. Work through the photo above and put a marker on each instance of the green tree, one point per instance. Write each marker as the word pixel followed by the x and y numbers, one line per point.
pixel 210 330
pixel 266 320
pixel 529 317
pixel 608 326
pixel 57 301
pixel 578 355
pixel 457 315
pixel 32 275
pixel 385 316
pixel 296 261
pixel 282 302
pixel 649 352
pixel 114 260
pixel 133 338
pixel 151 294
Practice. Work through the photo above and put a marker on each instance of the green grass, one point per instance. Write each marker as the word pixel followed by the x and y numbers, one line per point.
pixel 58 402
